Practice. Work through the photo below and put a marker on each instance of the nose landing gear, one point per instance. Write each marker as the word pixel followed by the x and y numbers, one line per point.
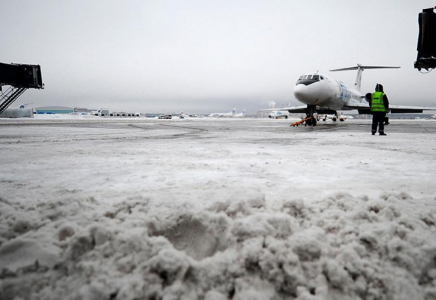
pixel 311 120
pixel 307 121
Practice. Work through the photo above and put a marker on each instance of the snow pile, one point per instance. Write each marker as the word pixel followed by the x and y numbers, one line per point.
pixel 340 247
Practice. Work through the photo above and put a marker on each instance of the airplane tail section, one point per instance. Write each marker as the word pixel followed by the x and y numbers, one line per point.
pixel 360 69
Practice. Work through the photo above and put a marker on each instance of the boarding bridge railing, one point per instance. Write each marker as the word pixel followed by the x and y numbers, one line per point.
pixel 9 96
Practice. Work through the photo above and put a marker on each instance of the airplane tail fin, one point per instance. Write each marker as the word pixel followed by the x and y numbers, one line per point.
pixel 360 69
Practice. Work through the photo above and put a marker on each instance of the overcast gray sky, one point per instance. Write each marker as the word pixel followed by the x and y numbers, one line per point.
pixel 209 56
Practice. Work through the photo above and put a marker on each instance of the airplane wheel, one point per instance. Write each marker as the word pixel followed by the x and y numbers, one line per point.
pixel 311 122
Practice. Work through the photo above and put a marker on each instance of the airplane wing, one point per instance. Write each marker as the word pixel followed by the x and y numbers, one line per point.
pixel 292 109
pixel 364 108
pixel 303 109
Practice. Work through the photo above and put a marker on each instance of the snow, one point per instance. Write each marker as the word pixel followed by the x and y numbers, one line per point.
pixel 216 209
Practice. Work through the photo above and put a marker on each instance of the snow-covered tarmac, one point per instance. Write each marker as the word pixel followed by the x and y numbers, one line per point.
pixel 216 209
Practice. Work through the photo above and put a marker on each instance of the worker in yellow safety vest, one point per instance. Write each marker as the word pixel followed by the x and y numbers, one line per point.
pixel 379 104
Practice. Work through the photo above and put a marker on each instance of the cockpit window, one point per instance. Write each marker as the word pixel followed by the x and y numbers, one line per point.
pixel 309 79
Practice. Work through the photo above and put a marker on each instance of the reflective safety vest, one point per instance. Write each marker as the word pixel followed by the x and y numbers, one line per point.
pixel 377 102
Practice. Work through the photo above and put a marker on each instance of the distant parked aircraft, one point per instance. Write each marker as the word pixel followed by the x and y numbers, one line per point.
pixel 278 114
pixel 219 115
pixel 240 115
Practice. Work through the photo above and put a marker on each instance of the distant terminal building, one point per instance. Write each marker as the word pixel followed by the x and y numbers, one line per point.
pixel 17 113
pixel 80 110
pixel 263 113
pixel 50 110
pixel 100 112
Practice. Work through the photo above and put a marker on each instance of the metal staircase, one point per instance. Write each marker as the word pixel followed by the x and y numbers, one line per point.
pixel 9 96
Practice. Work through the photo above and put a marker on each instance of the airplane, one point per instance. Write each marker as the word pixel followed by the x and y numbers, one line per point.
pixel 219 115
pixel 278 114
pixel 325 95
pixel 240 115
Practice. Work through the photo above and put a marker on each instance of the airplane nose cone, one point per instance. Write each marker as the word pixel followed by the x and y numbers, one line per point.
pixel 301 93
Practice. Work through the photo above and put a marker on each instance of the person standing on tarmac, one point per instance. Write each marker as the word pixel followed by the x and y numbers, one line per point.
pixel 379 104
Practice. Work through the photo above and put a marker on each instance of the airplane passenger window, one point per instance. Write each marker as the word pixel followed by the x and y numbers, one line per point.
pixel 321 77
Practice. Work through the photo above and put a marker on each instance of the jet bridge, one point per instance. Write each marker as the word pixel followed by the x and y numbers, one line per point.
pixel 20 78
pixel 426 40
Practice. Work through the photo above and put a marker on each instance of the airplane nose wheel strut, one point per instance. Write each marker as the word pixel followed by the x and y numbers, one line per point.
pixel 310 120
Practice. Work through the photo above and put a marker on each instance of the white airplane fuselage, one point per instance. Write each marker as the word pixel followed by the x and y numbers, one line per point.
pixel 326 92
pixel 218 115
pixel 240 115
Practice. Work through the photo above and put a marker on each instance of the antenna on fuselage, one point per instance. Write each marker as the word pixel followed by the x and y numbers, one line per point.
pixel 360 69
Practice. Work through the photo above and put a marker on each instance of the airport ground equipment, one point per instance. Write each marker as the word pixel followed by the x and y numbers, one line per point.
pixel 20 78
pixel 302 121
pixel 426 40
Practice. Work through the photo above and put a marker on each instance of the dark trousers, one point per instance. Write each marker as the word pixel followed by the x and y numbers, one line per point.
pixel 378 119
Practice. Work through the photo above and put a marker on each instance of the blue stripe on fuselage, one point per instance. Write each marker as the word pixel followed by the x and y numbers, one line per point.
pixel 344 92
